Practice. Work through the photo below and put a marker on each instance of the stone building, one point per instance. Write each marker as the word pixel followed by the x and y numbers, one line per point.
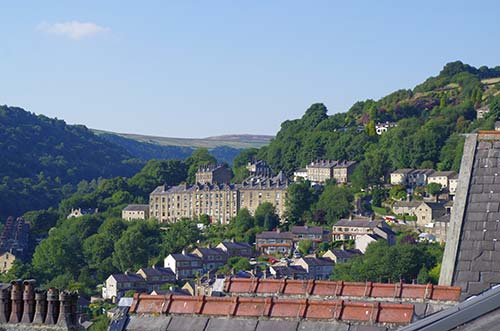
pixel 135 212
pixel 259 168
pixel 411 177
pixel 214 174
pixel 219 201
pixel 350 229
pixel 255 191
pixel 14 242
pixel 322 170
pixel 316 267
pixel 275 242
pixel 442 178
pixel 6 261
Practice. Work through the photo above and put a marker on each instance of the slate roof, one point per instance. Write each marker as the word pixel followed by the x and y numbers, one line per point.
pixel 472 252
pixel 307 230
pixel 186 257
pixel 448 174
pixel 288 271
pixel 346 253
pixel 275 235
pixel 157 271
pixel 361 223
pixel 128 277
pixel 402 171
pixel 136 208
pixel 476 314
pixel 211 251
pixel 407 204
pixel 236 245
pixel 317 261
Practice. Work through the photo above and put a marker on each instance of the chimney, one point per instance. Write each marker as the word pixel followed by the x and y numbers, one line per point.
pixel 209 245
pixel 278 230
pixel 153 266
pixel 350 217
pixel 184 252
pixel 232 240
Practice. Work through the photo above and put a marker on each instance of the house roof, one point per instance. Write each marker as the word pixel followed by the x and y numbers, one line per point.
pixel 472 254
pixel 402 171
pixel 128 277
pixel 209 251
pixel 288 271
pixel 307 230
pixel 275 235
pixel 435 205
pixel 157 271
pixel 407 204
pixel 185 257
pixel 323 164
pixel 345 253
pixel 479 313
pixel 294 305
pixel 316 261
pixel 136 208
pixel 235 245
pixel 443 174
pixel 330 289
pixel 361 223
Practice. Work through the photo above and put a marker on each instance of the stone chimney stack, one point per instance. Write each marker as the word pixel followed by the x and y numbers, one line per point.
pixel 5 306
pixel 41 307
pixel 17 302
pixel 29 301
pixel 52 306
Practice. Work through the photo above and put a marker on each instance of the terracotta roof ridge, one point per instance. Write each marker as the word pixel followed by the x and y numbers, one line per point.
pixel 270 307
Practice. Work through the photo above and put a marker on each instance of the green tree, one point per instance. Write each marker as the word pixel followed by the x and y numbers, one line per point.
pixel 299 199
pixel 335 201
pixel 136 246
pixel 179 235
pixel 398 192
pixel 305 246
pixel 239 263
pixel 434 189
pixel 265 216
pixel 200 157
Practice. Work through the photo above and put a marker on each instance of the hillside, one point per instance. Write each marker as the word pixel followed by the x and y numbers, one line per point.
pixel 234 141
pixel 223 148
pixel 429 118
pixel 43 160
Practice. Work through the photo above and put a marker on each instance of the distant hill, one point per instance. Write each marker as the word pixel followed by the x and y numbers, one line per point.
pixel 223 148
pixel 234 141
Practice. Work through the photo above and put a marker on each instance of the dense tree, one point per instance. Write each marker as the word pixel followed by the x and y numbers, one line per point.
pixel 335 201
pixel 179 235
pixel 265 216
pixel 299 199
pixel 157 172
pixel 389 263
pixel 43 159
pixel 137 246
pixel 434 189
pixel 200 157
pixel 240 163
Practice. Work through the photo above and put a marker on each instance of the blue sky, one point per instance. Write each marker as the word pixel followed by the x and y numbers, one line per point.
pixel 201 68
